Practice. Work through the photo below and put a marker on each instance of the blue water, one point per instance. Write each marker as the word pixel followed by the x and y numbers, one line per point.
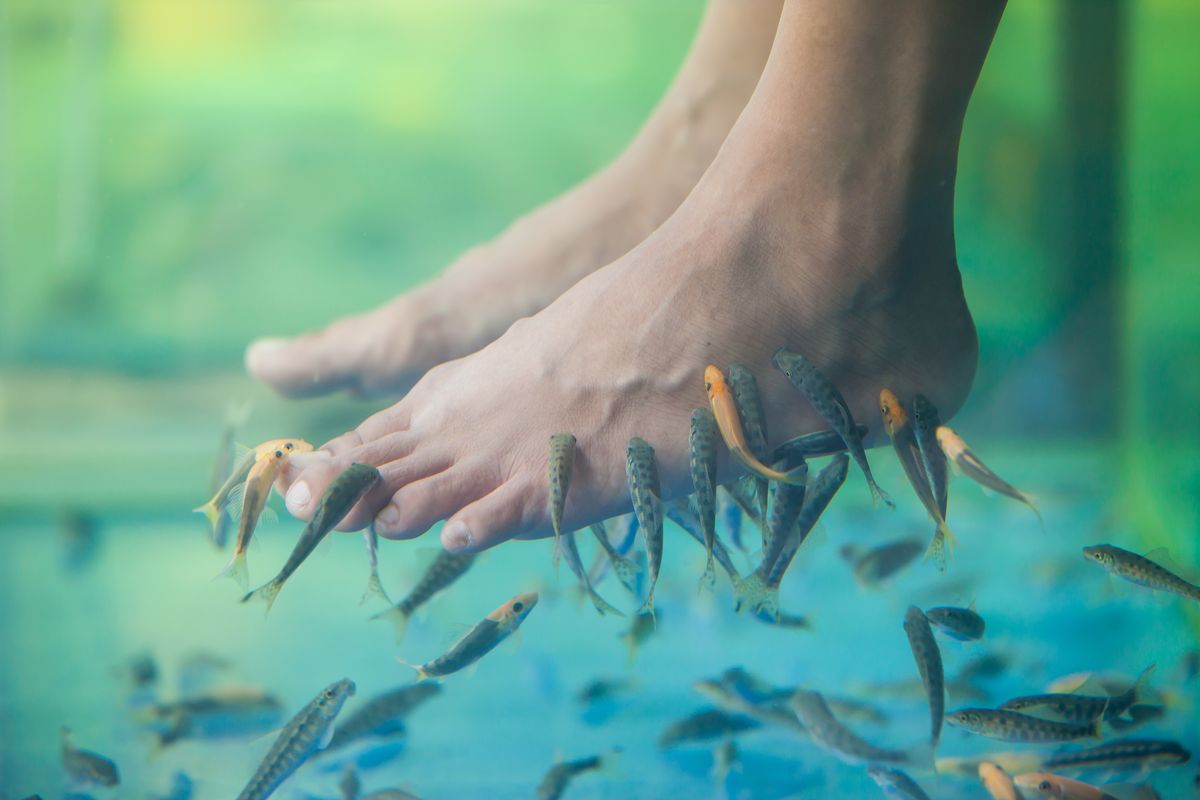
pixel 494 730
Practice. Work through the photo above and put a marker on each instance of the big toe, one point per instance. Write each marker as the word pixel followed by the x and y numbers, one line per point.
pixel 337 357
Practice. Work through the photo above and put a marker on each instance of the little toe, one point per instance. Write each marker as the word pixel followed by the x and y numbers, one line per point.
pixel 420 505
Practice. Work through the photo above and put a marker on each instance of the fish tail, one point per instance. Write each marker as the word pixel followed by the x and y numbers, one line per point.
pixel 375 589
pixel 878 494
pixel 266 593
pixel 398 618
pixel 1031 503
pixel 422 675
pixel 648 607
pixel 236 569
pixel 709 579
pixel 948 535
pixel 937 551
pixel 626 571
pixel 210 512
pixel 602 605
pixel 799 476
pixel 750 593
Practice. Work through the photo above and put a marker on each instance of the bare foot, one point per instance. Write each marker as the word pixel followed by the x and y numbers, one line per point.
pixel 542 254
pixel 833 238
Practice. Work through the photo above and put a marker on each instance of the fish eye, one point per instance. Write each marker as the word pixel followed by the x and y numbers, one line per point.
pixel 1044 786
pixel 517 606
pixel 289 445
pixel 279 454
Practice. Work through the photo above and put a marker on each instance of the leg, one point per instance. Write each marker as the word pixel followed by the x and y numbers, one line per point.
pixel 541 255
pixel 824 225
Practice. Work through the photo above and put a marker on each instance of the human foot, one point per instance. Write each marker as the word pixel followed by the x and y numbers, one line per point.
pixel 532 262
pixel 860 276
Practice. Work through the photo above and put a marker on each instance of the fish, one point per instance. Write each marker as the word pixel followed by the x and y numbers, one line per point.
pixel 737 692
pixel 556 780
pixel 1078 707
pixel 85 767
pixel 726 759
pixel 904 441
pixel 760 590
pixel 782 619
pixel 830 404
pixel 575 563
pixel 829 734
pixel 382 715
pixel 229 711
pixel 970 465
pixel 896 784
pixel 561 466
pixel 346 489
pixel 1011 761
pixel 227 492
pixel 702 462
pixel 925 424
pixel 1013 726
pixel 641 628
pixel 929 665
pixel 444 571
pixel 257 490
pixel 646 494
pixel 480 640
pixel 602 690
pixel 999 784
pixel 349 785
pixel 222 466
pixel 960 624
pixel 681 512
pixel 1121 755
pixel 626 569
pixel 141 672
pixel 1140 570
pixel 304 735
pixel 754 424
pixel 786 502
pixel 374 585
pixel 1044 784
pixel 882 562
pixel 704 725
pixel 725 411
pixel 814 445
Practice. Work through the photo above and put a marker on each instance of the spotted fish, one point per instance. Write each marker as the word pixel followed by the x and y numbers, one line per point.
pixel 970 465
pixel 480 640
pixel 561 465
pixel 1122 755
pixel 831 735
pixel 896 784
pixel 570 550
pixel 729 423
pixel 1012 726
pixel 1079 707
pixel 382 715
pixel 702 460
pixel 962 624
pixel 830 404
pixel 345 490
pixel 646 493
pixel 1140 570
pixel 929 663
pixel 625 568
pixel 85 767
pixel 681 512
pixel 754 424
pixel 786 502
pixel 880 563
pixel 814 445
pixel 705 725
pixel 925 425
pixel 374 585
pixel 305 734
pixel 445 570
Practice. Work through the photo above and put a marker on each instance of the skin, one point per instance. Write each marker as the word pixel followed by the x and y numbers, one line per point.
pixel 861 277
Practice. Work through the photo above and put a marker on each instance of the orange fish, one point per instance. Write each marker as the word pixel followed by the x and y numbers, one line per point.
pixel 255 494
pixel 725 411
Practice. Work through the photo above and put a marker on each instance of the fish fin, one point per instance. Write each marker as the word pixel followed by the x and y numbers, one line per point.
pixel 602 605
pixel 233 502
pixel 398 619
pixel 236 569
pixel 375 589
pixel 937 551
pixel 272 516
pixel 627 573
pixel 708 580
pixel 266 593
pixel 878 494
pixel 326 738
pixel 210 512
pixel 648 608
pixel 422 675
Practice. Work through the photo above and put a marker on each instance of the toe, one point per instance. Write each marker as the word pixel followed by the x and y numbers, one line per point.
pixel 418 506
pixel 506 512
pixel 337 357
pixel 306 482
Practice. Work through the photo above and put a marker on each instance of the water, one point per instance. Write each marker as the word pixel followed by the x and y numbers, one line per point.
pixel 495 729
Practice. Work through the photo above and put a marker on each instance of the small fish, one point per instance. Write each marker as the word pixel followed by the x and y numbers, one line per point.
pixel 480 640
pixel 646 494
pixel 1076 707
pixel 754 424
pixel 561 465
pixel 374 585
pixel 1136 755
pixel 830 404
pixel 742 694
pixel 602 690
pixel 814 445
pixel 760 590
pixel 969 464
pixel 681 512
pixel 828 733
pixel 229 711
pixel 786 502
pixel 925 425
pixel 908 452
pixel 782 619
pixel 575 564
pixel 305 734
pixel 383 715
pixel 85 767
pixel 704 725
pixel 559 776
pixel 1044 784
pixel 626 569
pixel 228 490
pixel 141 672
pixel 1012 726
pixel 726 759
pixel 988 665
pixel 998 783
pixel 882 562
pixel 702 460
pixel 929 665
pixel 445 570
pixel 641 628
pixel 1011 761
pixel 960 624
pixel 222 466
pixel 1140 570
pixel 256 492
pixel 725 411
pixel 350 786
pixel 346 490
pixel 896 784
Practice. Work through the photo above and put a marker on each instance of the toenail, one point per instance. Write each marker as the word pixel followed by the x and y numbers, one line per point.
pixel 298 497
pixel 389 518
pixel 457 536
pixel 264 351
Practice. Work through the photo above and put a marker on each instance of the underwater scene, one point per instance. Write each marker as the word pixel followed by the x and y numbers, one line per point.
pixel 475 544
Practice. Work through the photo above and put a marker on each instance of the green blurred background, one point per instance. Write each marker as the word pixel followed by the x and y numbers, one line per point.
pixel 178 177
